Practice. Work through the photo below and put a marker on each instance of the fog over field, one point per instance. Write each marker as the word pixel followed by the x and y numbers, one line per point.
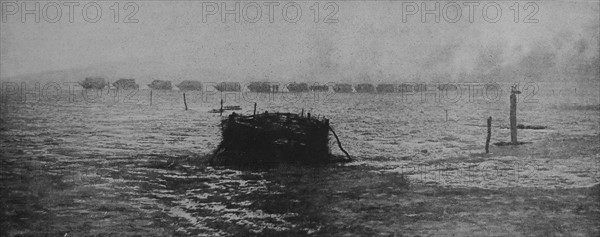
pixel 370 42
pixel 379 148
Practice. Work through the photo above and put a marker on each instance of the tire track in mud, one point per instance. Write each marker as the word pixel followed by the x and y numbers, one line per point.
pixel 152 195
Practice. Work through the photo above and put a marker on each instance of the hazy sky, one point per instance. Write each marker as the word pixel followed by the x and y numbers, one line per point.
pixel 369 42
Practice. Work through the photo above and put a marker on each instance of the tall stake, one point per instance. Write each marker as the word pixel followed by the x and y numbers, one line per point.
pixel 513 116
pixel 446 115
pixel 489 135
pixel 254 109
pixel 184 102
pixel 150 97
pixel 221 110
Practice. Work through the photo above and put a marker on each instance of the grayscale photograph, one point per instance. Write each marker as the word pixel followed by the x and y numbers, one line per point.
pixel 299 118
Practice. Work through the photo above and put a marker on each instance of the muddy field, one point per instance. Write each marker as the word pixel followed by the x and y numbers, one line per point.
pixel 114 165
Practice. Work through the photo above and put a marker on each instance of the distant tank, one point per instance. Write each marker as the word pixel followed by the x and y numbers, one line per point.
pixel 405 87
pixel 420 87
pixel 260 87
pixel 93 83
pixel 386 88
pixel 342 88
pixel 297 87
pixel 190 86
pixel 364 88
pixel 126 84
pixel 228 86
pixel 318 87
pixel 160 85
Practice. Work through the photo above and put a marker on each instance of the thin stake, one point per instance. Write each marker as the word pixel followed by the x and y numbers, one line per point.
pixel 446 115
pixel 221 110
pixel 513 116
pixel 254 113
pixel 150 97
pixel 184 102
pixel 489 135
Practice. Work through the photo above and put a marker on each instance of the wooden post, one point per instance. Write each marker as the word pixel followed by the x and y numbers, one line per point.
pixel 513 117
pixel 308 115
pixel 221 110
pixel 184 102
pixel 446 115
pixel 150 97
pixel 489 135
pixel 302 114
pixel 254 109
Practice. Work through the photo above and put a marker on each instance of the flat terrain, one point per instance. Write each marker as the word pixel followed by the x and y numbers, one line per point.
pixel 111 167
